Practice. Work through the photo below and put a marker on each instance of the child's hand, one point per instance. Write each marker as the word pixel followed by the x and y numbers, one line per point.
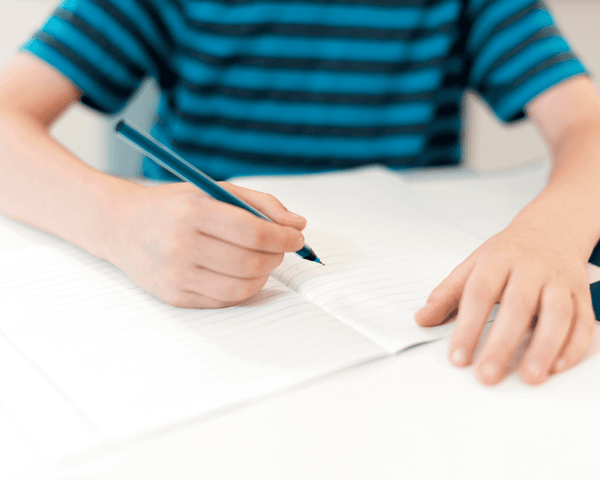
pixel 190 250
pixel 534 274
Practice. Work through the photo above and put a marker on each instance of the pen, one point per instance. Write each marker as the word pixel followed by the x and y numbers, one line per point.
pixel 187 172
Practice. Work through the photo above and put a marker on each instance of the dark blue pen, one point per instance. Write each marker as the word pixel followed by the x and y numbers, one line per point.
pixel 187 172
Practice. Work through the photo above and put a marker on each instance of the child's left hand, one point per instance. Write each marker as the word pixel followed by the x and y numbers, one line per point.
pixel 538 274
pixel 535 267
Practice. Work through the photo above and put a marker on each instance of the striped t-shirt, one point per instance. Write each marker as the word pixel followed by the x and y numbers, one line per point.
pixel 292 86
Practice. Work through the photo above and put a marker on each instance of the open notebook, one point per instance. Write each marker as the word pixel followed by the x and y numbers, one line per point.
pixel 88 360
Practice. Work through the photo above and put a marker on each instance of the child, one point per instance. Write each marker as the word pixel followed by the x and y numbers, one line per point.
pixel 254 87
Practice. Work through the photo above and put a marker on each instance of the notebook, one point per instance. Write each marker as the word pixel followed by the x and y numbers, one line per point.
pixel 88 361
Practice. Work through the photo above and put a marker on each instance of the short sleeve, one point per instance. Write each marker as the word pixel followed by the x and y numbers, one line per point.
pixel 106 48
pixel 515 52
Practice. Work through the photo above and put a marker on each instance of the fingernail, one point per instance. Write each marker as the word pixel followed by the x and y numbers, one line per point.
pixel 458 357
pixel 295 215
pixel 489 370
pixel 560 365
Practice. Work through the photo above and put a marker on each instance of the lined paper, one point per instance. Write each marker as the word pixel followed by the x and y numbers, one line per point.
pixel 129 363
pixel 383 254
pixel 125 364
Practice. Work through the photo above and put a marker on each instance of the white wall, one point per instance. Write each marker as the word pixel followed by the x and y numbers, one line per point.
pixel 86 133
pixel 82 131
pixel 489 145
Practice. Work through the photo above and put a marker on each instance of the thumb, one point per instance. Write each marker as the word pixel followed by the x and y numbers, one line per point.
pixel 442 303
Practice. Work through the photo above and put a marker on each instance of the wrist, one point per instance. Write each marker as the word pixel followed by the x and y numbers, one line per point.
pixel 564 218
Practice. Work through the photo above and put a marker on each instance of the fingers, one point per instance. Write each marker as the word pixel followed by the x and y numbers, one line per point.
pixel 580 335
pixel 239 227
pixel 185 299
pixel 201 288
pixel 553 325
pixel 229 259
pixel 538 290
pixel 442 302
pixel 226 258
pixel 212 274
pixel 482 291
pixel 518 306
pixel 204 272
pixel 562 335
pixel 190 250
pixel 269 205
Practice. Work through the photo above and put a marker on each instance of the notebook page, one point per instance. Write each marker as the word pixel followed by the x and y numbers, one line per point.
pixel 130 363
pixel 64 428
pixel 382 255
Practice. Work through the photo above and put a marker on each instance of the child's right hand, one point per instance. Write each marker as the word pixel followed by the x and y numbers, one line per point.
pixel 172 240
pixel 190 250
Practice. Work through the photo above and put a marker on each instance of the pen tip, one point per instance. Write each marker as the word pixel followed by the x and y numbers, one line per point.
pixel 319 261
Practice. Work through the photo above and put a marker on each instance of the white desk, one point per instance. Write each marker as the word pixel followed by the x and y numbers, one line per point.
pixel 410 416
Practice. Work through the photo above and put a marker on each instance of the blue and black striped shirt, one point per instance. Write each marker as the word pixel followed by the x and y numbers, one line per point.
pixel 292 86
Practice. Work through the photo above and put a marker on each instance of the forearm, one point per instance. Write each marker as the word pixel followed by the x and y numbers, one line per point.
pixel 570 202
pixel 44 185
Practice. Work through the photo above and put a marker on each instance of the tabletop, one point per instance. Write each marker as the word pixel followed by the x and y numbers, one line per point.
pixel 411 415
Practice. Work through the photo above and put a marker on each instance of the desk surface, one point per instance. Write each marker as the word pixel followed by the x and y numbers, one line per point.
pixel 408 416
